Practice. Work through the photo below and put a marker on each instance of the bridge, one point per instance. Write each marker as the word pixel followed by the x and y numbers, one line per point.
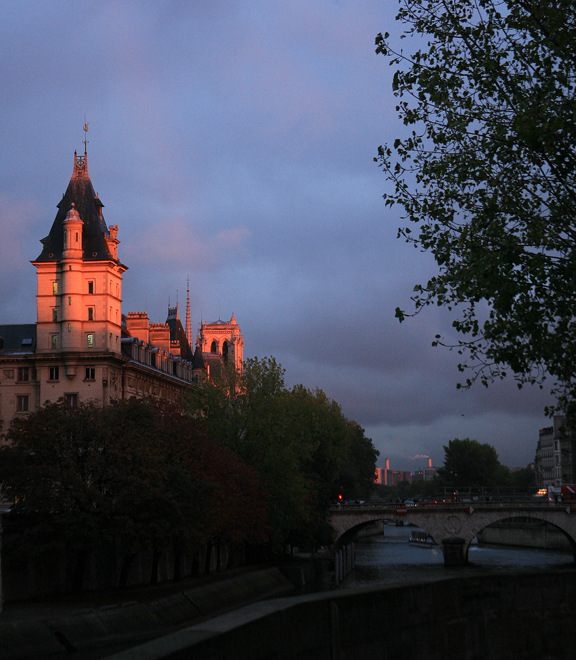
pixel 452 526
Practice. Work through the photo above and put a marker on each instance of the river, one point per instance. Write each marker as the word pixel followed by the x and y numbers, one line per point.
pixel 390 560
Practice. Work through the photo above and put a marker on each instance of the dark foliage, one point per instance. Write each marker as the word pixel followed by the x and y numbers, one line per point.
pixel 485 175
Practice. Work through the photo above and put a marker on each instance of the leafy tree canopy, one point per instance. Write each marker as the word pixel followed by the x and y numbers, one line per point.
pixel 487 174
pixel 139 470
pixel 471 463
pixel 299 442
pixel 357 473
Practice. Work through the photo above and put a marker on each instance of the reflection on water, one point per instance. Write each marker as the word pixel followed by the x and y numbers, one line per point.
pixel 392 560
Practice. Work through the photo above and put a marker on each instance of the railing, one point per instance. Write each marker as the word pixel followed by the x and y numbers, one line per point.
pixel 452 504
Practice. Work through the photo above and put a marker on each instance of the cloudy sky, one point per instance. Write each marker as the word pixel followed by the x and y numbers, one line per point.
pixel 233 142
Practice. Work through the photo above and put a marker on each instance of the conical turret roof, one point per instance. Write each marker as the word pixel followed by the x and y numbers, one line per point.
pixel 94 230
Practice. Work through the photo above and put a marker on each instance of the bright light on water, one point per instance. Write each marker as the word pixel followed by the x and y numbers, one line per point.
pixel 392 560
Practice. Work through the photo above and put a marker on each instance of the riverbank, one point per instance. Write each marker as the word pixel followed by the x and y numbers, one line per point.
pixel 97 624
pixel 527 616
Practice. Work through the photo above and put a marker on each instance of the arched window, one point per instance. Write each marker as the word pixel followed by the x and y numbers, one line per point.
pixel 214 347
pixel 65 239
pixel 225 351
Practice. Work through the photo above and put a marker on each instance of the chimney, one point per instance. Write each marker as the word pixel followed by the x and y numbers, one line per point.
pixel 429 462
pixel 387 463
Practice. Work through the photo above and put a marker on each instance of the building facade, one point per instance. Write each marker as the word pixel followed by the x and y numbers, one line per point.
pixel 220 342
pixel 388 477
pixel 82 347
pixel 556 454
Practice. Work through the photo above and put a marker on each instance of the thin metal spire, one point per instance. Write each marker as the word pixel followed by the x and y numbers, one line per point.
pixel 85 136
pixel 188 323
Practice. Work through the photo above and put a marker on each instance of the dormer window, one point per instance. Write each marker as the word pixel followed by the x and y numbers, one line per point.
pixel 99 206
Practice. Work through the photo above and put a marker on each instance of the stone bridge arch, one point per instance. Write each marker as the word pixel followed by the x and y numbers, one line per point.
pixel 453 527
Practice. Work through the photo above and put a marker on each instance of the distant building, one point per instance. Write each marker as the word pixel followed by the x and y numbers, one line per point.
pixel 220 342
pixel 388 477
pixel 82 347
pixel 427 474
pixel 397 476
pixel 430 472
pixel 555 460
pixel 530 466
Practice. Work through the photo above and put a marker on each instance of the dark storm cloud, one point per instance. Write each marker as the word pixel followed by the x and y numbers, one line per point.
pixel 234 142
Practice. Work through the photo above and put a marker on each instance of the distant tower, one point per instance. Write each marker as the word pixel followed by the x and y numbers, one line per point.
pixel 79 275
pixel 188 324
pixel 222 340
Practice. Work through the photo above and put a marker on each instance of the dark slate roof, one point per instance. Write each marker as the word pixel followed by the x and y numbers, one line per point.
pixel 18 338
pixel 198 360
pixel 177 333
pixel 81 192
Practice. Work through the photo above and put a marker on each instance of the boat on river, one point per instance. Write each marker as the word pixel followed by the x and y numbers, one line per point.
pixel 421 539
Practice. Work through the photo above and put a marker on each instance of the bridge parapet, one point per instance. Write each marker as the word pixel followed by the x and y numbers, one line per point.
pixel 452 526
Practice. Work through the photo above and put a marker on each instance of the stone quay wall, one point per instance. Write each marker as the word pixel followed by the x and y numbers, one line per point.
pixel 525 535
pixel 521 616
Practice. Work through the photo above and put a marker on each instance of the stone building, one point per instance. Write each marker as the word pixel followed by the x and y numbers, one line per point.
pixel 82 346
pixel 388 477
pixel 220 342
pixel 556 454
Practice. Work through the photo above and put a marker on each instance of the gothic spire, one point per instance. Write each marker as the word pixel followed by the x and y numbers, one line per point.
pixel 188 325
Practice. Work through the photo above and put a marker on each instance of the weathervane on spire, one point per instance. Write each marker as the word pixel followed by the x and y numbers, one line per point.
pixel 85 135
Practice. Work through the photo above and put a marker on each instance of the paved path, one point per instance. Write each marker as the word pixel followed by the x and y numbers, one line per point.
pixel 93 626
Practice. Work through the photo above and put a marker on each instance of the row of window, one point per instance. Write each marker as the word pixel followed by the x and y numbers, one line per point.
pixel 89 339
pixel 214 348
pixel 90 373
pixel 24 374
pixel 23 402
pixel 91 316
pixel 91 288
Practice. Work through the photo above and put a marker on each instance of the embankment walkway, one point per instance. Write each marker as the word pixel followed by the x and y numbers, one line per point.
pixel 94 625
pixel 528 616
